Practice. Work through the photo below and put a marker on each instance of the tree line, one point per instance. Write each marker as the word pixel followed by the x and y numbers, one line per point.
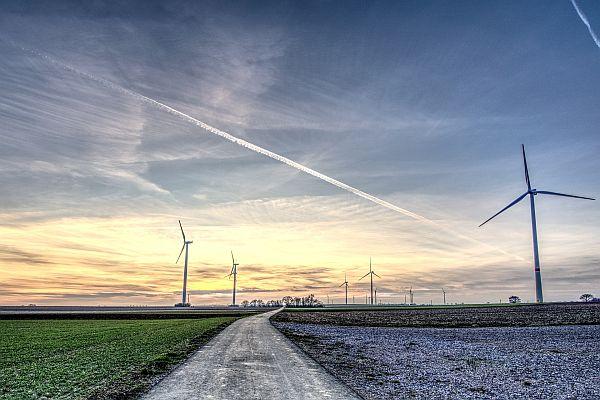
pixel 287 301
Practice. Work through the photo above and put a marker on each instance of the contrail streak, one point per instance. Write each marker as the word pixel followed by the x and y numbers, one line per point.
pixel 258 149
pixel 584 19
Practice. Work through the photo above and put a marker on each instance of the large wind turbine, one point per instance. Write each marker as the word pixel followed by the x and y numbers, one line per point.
pixel 371 272
pixel 185 246
pixel 345 284
pixel 233 272
pixel 534 192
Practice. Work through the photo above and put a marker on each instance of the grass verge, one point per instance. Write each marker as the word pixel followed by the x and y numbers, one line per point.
pixel 94 359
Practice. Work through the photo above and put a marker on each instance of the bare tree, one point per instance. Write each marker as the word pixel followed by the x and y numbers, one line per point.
pixel 288 300
pixel 586 297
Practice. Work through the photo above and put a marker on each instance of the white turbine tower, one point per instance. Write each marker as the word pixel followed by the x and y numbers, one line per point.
pixel 534 192
pixel 233 272
pixel 185 246
pixel 370 273
pixel 345 284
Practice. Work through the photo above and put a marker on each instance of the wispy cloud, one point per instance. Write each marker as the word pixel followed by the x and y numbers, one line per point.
pixel 586 22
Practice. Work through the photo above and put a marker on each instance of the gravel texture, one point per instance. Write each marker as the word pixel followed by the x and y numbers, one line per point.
pixel 453 316
pixel 548 362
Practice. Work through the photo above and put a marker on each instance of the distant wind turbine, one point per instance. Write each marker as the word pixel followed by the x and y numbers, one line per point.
pixel 444 292
pixel 345 284
pixel 533 192
pixel 233 272
pixel 185 246
pixel 370 273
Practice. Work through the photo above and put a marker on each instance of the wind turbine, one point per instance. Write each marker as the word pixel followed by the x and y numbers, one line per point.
pixel 185 246
pixel 233 272
pixel 444 292
pixel 345 284
pixel 533 192
pixel 371 273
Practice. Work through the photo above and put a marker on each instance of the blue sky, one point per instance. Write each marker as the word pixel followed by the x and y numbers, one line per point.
pixel 423 104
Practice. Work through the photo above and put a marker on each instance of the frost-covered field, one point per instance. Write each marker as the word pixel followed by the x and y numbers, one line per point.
pixel 556 362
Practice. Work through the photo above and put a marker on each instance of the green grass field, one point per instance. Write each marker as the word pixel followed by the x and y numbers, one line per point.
pixel 79 359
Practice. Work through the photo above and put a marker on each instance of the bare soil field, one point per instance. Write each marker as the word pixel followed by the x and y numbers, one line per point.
pixel 542 362
pixel 452 316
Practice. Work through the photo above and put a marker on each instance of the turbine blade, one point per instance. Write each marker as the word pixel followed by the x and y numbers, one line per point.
pixel 182 234
pixel 526 170
pixel 565 195
pixel 180 253
pixel 364 275
pixel 376 275
pixel 342 284
pixel 518 199
pixel 232 259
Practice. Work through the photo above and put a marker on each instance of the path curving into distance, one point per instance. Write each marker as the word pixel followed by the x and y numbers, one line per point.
pixel 250 359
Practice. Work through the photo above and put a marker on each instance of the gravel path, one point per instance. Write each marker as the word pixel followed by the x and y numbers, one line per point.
pixel 250 359
pixel 561 362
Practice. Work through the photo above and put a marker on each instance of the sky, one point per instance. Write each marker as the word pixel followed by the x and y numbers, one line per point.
pixel 423 104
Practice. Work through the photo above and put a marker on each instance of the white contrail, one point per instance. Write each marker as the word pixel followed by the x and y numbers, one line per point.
pixel 586 22
pixel 231 138
pixel 259 149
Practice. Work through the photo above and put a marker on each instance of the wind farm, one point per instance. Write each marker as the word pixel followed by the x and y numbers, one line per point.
pixel 289 143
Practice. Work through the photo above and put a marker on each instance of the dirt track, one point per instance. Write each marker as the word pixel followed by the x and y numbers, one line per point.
pixel 250 360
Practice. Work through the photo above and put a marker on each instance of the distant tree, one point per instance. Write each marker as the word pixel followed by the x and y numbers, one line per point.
pixel 245 303
pixel 309 301
pixel 514 299
pixel 288 301
pixel 586 297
